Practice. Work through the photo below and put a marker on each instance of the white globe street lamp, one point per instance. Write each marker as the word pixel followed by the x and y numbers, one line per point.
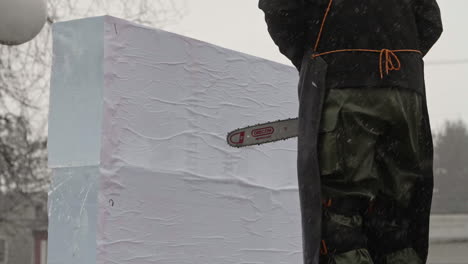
pixel 21 20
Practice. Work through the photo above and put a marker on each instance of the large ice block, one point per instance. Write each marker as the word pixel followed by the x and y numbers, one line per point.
pixel 142 172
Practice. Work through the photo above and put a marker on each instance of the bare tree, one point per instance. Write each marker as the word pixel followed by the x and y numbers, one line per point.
pixel 25 69
pixel 24 83
pixel 23 174
pixel 148 12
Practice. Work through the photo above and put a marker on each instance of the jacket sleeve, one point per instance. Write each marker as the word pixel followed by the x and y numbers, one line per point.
pixel 429 23
pixel 286 25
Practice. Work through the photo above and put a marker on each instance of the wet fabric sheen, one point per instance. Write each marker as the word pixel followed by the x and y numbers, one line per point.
pixel 370 147
pixel 370 142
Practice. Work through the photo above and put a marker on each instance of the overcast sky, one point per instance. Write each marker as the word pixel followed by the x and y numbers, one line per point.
pixel 239 25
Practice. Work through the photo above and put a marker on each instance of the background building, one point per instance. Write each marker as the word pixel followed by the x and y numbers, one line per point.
pixel 23 228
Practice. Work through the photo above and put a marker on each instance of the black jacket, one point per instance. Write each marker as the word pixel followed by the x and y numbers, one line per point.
pixel 353 24
pixel 357 24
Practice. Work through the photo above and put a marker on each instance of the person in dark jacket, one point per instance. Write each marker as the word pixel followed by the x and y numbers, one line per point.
pixel 373 143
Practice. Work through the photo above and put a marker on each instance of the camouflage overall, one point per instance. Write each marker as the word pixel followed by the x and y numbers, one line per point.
pixel 369 148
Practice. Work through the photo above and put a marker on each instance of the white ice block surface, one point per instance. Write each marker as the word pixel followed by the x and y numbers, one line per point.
pixel 75 115
pixel 151 110
pixel 73 215
pixel 169 102
pixel 177 218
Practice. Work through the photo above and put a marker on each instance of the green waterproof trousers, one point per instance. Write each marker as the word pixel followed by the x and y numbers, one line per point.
pixel 370 154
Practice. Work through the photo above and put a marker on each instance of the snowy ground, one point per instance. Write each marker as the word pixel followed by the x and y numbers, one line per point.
pixel 449 239
pixel 448 253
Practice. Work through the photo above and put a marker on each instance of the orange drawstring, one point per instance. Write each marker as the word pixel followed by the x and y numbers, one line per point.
pixel 327 203
pixel 323 248
pixel 322 26
pixel 387 57
pixel 389 66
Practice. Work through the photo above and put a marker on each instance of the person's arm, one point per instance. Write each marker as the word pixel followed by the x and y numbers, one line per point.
pixel 286 25
pixel 429 23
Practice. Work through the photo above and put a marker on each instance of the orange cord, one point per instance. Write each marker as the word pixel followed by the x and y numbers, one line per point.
pixel 323 248
pixel 392 62
pixel 327 203
pixel 322 26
